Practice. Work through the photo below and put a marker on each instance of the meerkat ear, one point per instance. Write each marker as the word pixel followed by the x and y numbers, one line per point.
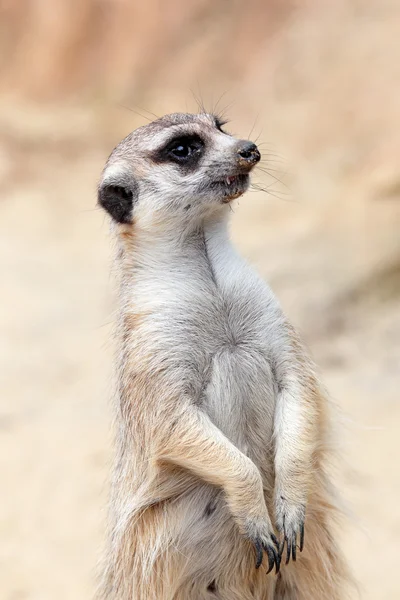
pixel 118 200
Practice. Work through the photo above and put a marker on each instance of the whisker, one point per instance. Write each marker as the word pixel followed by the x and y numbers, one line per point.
pixel 268 144
pixel 199 99
pixel 222 113
pixel 258 137
pixel 267 159
pixel 278 195
pixel 274 177
pixel 195 99
pixel 135 111
pixel 148 111
pixel 215 108
pixel 270 153
pixel 267 187
pixel 254 124
pixel 265 167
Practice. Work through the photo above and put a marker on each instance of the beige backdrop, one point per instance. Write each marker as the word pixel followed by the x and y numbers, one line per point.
pixel 318 83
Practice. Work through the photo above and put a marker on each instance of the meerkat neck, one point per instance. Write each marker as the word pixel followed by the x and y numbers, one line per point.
pixel 163 246
pixel 168 255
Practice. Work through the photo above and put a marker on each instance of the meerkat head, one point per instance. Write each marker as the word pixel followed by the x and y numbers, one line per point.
pixel 178 168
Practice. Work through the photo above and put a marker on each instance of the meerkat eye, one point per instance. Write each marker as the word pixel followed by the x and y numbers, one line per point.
pixel 184 149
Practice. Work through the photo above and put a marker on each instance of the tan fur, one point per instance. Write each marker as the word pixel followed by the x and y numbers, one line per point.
pixel 184 492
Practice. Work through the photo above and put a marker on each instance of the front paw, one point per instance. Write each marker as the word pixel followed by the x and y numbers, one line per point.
pixel 260 533
pixel 290 518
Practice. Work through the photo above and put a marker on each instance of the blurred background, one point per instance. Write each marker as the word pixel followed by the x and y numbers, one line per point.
pixel 317 83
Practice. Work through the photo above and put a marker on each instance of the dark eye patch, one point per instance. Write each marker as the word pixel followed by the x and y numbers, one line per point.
pixel 184 150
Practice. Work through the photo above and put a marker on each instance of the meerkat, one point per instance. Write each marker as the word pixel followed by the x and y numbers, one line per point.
pixel 220 488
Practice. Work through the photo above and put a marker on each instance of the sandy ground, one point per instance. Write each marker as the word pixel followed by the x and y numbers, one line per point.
pixel 57 306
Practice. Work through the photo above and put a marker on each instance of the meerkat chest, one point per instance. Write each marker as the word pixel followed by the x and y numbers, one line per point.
pixel 202 303
pixel 207 323
pixel 239 386
pixel 202 308
pixel 213 332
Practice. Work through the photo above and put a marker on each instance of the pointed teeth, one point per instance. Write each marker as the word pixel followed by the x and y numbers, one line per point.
pixel 230 180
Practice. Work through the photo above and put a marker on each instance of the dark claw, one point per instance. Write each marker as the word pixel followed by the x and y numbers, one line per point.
pixel 302 538
pixel 259 553
pixel 275 540
pixel 277 561
pixel 270 559
pixel 273 558
pixel 294 540
pixel 289 549
pixel 281 549
pixel 291 541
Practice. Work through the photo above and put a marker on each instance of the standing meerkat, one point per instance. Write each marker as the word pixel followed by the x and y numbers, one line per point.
pixel 221 425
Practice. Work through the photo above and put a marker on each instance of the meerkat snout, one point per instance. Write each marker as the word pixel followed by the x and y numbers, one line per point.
pixel 176 162
pixel 248 153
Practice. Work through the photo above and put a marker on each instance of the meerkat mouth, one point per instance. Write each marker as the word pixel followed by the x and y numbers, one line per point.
pixel 231 187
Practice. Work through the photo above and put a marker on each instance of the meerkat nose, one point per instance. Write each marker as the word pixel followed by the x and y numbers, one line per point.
pixel 248 153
